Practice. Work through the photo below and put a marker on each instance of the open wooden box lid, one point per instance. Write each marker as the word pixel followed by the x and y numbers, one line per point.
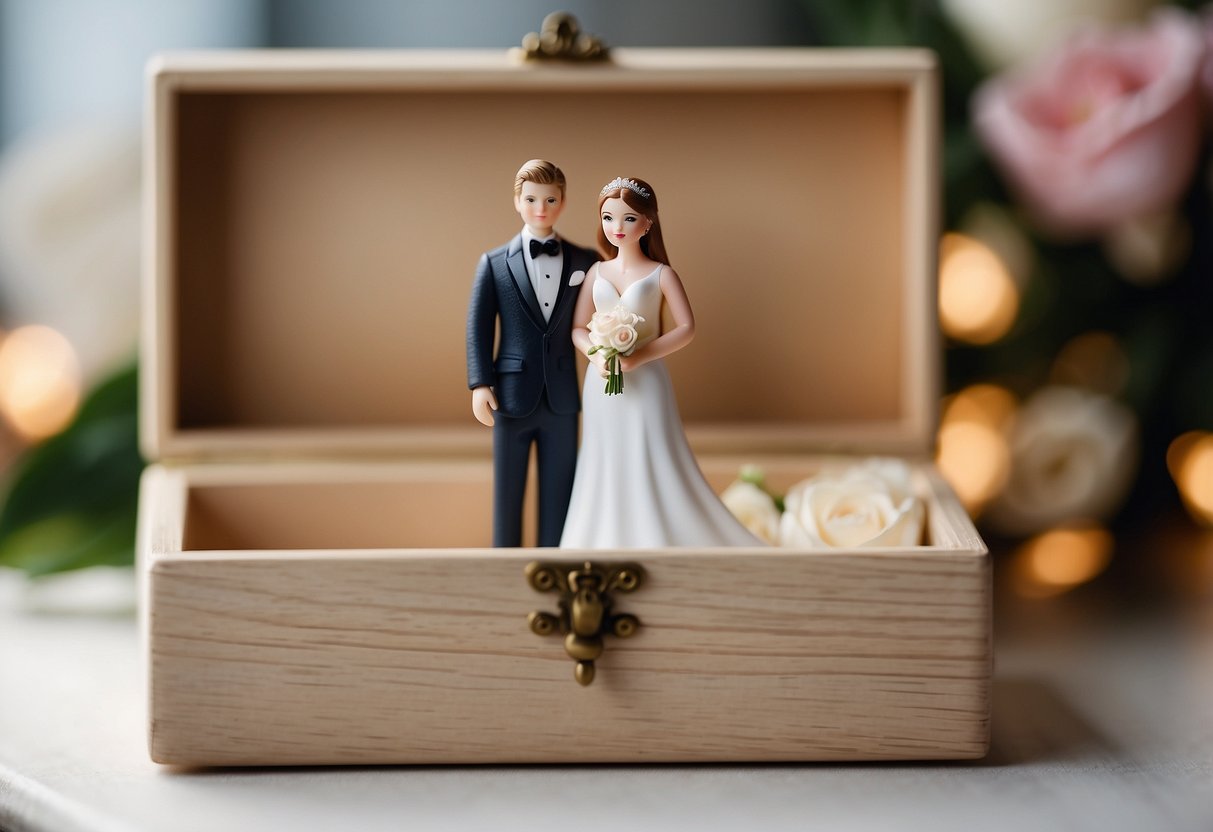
pixel 314 220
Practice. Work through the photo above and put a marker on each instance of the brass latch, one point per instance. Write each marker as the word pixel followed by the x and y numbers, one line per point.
pixel 585 607
pixel 560 39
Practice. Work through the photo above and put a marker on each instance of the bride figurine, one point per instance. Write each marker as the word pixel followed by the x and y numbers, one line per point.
pixel 637 484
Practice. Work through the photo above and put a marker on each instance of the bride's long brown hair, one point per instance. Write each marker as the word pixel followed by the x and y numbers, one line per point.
pixel 651 244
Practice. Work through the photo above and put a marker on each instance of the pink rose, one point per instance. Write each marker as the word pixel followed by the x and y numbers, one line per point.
pixel 1103 130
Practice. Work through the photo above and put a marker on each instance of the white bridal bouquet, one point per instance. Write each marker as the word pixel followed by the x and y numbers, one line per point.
pixel 866 505
pixel 614 333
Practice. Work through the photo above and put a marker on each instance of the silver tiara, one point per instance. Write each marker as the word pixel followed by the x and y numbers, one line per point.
pixel 630 184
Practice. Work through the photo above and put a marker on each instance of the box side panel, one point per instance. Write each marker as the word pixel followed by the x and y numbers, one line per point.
pixel 159 533
pixel 157 380
pixel 425 657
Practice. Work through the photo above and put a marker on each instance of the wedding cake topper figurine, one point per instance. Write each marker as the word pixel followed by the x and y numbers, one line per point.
pixel 637 483
pixel 528 392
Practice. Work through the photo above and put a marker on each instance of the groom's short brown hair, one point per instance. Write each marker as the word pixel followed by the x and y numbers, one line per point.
pixel 541 172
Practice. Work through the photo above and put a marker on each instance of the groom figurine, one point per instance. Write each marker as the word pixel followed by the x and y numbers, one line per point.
pixel 528 394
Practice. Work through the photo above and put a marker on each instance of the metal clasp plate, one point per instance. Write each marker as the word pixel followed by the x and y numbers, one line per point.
pixel 560 39
pixel 585 607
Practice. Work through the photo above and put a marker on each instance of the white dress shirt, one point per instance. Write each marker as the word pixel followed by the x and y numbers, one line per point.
pixel 544 272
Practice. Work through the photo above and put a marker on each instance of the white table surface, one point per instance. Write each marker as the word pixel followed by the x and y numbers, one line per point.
pixel 1103 720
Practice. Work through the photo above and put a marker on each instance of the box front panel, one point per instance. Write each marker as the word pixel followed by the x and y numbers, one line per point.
pixel 427 657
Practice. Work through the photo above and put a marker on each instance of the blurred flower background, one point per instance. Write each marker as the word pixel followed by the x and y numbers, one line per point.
pixel 1075 279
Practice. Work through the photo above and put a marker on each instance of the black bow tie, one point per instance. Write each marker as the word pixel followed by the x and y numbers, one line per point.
pixel 551 247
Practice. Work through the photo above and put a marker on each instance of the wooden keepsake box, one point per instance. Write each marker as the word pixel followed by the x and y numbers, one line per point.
pixel 314 535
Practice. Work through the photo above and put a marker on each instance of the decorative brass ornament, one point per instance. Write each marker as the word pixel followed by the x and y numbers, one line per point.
pixel 560 39
pixel 585 607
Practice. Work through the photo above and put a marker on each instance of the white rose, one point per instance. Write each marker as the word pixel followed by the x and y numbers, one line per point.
pixel 864 506
pixel 1073 456
pixel 601 324
pixel 623 339
pixel 755 509
pixel 894 474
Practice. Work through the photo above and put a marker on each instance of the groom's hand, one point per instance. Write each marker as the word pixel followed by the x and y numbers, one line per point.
pixel 484 404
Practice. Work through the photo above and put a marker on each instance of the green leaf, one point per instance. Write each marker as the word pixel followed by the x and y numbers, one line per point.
pixel 73 499
pixel 71 541
pixel 116 396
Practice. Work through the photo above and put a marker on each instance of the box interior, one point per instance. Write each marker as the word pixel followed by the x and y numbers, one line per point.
pixel 416 508
pixel 318 515
pixel 324 244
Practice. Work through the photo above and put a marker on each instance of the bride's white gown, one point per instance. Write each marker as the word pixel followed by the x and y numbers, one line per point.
pixel 637 483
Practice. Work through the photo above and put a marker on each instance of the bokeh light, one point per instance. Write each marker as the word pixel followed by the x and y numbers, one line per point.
pixel 998 228
pixel 1190 461
pixel 40 384
pixel 1061 559
pixel 978 298
pixel 973 454
pixel 988 404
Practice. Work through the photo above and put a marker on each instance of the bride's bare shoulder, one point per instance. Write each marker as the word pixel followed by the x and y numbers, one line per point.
pixel 669 277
